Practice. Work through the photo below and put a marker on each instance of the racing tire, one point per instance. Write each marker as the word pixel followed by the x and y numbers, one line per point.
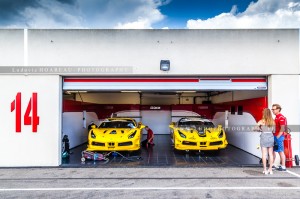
pixel 134 153
pixel 216 152
pixel 173 147
pixel 82 159
pixel 297 160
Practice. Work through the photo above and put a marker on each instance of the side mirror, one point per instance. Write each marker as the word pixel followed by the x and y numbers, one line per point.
pixel 220 126
pixel 140 125
pixel 172 125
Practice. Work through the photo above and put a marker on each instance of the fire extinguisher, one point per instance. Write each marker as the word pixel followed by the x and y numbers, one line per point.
pixel 288 150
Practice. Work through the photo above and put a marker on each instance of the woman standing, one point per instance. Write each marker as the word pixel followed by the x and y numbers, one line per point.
pixel 266 127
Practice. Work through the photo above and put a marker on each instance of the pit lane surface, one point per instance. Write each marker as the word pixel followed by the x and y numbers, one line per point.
pixel 248 182
pixel 163 155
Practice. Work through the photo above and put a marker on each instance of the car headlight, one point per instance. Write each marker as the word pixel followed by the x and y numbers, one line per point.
pixel 93 135
pixel 132 135
pixel 181 134
pixel 221 134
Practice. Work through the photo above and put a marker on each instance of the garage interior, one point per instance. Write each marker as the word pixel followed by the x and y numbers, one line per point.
pixel 157 104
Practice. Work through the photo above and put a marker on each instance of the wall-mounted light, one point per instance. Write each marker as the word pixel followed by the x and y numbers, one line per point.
pixel 165 65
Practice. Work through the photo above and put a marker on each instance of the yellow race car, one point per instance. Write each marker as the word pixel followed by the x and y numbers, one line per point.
pixel 197 134
pixel 116 134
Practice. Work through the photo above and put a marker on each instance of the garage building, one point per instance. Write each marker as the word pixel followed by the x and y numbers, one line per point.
pixel 46 73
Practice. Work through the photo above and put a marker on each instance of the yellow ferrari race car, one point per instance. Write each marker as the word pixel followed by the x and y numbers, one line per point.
pixel 116 134
pixel 197 134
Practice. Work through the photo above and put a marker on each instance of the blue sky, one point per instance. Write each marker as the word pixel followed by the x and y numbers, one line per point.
pixel 178 12
pixel 150 14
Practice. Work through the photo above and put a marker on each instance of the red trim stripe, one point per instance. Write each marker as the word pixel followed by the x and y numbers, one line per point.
pixel 130 80
pixel 248 80
pixel 215 79
pixel 234 80
pixel 157 80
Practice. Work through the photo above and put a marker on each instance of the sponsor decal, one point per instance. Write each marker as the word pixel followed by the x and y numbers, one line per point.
pixel 155 107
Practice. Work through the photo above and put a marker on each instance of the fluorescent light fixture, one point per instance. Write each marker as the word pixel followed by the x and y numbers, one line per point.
pixel 130 91
pixel 185 91
pixel 165 65
pixel 77 91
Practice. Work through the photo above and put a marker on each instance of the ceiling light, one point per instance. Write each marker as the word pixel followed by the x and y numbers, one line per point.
pixel 76 91
pixel 185 91
pixel 130 91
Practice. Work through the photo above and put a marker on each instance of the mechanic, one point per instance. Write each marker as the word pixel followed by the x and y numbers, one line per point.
pixel 66 144
pixel 280 130
pixel 150 136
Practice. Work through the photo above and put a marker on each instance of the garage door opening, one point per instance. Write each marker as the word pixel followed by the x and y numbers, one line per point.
pixel 156 102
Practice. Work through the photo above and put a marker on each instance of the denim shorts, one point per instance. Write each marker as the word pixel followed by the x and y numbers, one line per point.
pixel 279 142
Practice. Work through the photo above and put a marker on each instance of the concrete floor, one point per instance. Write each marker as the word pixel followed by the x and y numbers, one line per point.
pixel 162 154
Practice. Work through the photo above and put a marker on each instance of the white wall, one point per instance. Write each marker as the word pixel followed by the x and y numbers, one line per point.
pixel 73 126
pixel 157 120
pixel 178 114
pixel 11 47
pixel 285 90
pixel 135 114
pixel 238 95
pixel 156 99
pixel 191 52
pixel 163 99
pixel 28 148
pixel 109 98
pixel 239 131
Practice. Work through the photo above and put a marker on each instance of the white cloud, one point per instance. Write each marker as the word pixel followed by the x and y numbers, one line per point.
pixel 129 14
pixel 139 24
pixel 146 15
pixel 262 14
pixel 51 14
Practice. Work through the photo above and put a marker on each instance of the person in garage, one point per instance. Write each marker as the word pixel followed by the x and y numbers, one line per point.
pixel 150 138
pixel 266 127
pixel 91 126
pixel 280 130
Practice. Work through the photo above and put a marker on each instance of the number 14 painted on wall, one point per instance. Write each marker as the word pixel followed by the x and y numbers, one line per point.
pixel 33 120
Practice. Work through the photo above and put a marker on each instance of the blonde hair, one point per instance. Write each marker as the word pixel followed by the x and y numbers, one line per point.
pixel 267 117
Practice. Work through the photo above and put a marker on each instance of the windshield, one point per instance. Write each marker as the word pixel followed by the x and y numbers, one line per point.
pixel 196 124
pixel 117 124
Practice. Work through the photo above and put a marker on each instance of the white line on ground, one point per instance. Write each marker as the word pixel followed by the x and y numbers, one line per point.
pixel 148 188
pixel 295 174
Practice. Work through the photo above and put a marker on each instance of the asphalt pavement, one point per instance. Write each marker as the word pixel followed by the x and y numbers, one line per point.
pixel 160 182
